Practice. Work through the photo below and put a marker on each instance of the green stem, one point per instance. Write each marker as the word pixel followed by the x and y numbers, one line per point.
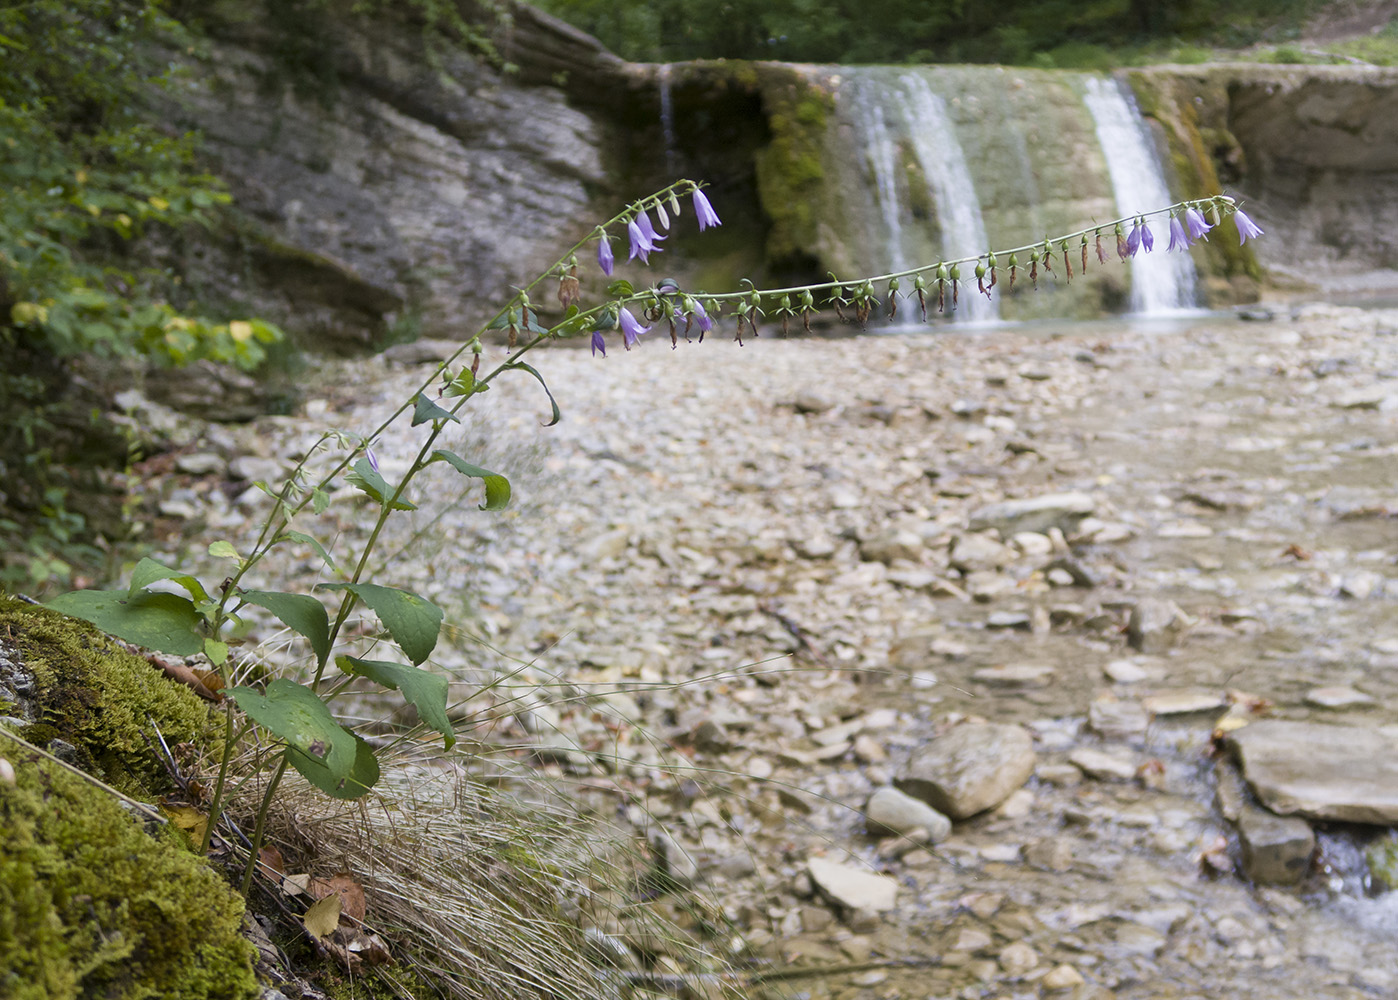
pixel 261 828
pixel 216 803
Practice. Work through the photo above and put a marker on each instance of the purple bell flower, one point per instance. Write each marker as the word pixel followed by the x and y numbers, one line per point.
pixel 598 343
pixel 1198 227
pixel 643 221
pixel 704 211
pixel 701 318
pixel 1133 241
pixel 640 245
pixel 1247 229
pixel 1178 239
pixel 605 260
pixel 631 330
pixel 1147 237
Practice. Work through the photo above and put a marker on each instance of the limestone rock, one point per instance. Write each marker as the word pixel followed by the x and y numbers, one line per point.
pixel 970 768
pixel 1053 510
pixel 852 888
pixel 1155 625
pixel 1341 773
pixel 1103 766
pixel 1276 849
pixel 979 552
pixel 888 546
pixel 891 811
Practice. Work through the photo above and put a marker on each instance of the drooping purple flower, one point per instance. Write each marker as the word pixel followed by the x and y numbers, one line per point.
pixel 1178 239
pixel 640 245
pixel 701 318
pixel 373 459
pixel 631 330
pixel 643 220
pixel 1247 229
pixel 605 260
pixel 704 211
pixel 598 343
pixel 1198 226
pixel 1133 241
pixel 1147 237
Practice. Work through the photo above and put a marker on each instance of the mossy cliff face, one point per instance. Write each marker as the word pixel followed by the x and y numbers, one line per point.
pixel 69 682
pixel 93 906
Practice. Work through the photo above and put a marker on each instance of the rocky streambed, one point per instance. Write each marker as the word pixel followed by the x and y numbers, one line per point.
pixel 971 650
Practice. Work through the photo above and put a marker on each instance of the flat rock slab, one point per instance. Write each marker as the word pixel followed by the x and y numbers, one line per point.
pixel 1054 510
pixel 852 888
pixel 970 768
pixel 1340 773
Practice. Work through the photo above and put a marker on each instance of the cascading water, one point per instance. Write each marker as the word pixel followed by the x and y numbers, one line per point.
pixel 903 117
pixel 1161 283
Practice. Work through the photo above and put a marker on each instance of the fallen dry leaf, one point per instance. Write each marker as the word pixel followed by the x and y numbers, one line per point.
pixel 323 917
pixel 350 892
pixel 295 885
pixel 353 947
pixel 270 861
pixel 185 675
pixel 188 819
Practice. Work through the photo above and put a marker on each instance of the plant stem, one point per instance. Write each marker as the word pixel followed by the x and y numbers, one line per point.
pixel 216 803
pixel 261 827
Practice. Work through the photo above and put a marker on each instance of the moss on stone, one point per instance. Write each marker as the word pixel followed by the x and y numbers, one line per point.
pixel 104 701
pixel 1382 858
pixel 92 906
pixel 790 171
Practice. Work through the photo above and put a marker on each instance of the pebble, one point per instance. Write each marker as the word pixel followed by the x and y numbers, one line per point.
pixel 1337 697
pixel 1125 672
pixel 1015 675
pixel 1276 849
pixel 1155 625
pixel 855 889
pixel 1102 765
pixel 1062 977
pixel 891 811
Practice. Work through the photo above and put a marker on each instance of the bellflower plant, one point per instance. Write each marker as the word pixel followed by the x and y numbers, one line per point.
pixel 1178 239
pixel 704 211
pixel 1198 225
pixel 291 712
pixel 1247 229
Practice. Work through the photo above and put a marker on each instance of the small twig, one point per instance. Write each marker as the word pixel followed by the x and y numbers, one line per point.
pixel 796 630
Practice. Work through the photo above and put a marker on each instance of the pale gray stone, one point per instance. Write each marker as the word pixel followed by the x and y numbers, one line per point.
pixel 890 811
pixel 970 768
pixel 1276 849
pixel 1053 510
pixel 1155 625
pixel 1343 773
pixel 852 888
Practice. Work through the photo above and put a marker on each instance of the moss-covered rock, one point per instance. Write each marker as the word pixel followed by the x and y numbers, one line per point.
pixel 790 171
pixel 84 689
pixel 1382 858
pixel 93 906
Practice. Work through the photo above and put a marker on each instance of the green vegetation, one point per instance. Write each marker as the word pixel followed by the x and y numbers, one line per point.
pixel 92 906
pixel 1071 34
pixel 100 698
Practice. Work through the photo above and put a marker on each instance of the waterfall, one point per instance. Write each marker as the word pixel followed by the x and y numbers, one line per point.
pixel 898 117
pixel 949 183
pixel 1161 283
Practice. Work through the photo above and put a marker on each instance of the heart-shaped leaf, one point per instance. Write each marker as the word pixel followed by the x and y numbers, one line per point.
pixel 361 778
pixel 301 613
pixel 425 409
pixel 148 571
pixel 367 480
pixel 413 621
pixel 427 692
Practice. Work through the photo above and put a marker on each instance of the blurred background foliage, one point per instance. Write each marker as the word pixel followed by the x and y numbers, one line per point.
pixel 1080 34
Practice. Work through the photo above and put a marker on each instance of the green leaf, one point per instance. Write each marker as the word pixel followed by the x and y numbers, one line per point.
pixel 301 613
pixel 425 691
pixel 361 778
pixel 224 550
pixel 166 622
pixel 148 571
pixel 557 414
pixel 425 410
pixel 319 500
pixel 497 487
pixel 305 539
pixel 366 479
pixel 413 621
pixel 463 385
pixel 295 714
pixel 216 651
pixel 620 289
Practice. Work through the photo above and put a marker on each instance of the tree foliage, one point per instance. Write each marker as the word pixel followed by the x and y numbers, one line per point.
pixel 894 31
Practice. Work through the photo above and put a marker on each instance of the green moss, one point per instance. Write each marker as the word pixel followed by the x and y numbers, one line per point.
pixel 1382 857
pixel 100 698
pixel 91 906
pixel 790 171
